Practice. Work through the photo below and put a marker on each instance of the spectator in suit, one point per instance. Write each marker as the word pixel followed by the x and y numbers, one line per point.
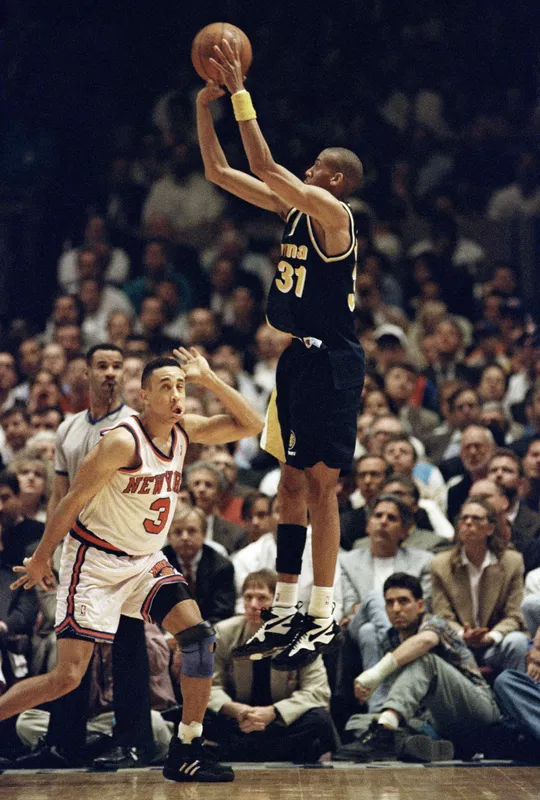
pixel 260 714
pixel 365 570
pixel 399 385
pixel 206 482
pixel 477 447
pixel 506 470
pixel 370 472
pixel 532 413
pixel 462 408
pixel 210 575
pixel 478 589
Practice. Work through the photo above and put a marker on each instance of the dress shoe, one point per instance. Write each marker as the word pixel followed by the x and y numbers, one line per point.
pixel 120 756
pixel 46 757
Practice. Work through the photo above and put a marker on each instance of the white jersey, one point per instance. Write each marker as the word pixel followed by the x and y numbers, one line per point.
pixel 77 435
pixel 133 512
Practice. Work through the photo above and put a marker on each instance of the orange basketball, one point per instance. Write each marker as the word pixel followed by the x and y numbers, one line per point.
pixel 202 48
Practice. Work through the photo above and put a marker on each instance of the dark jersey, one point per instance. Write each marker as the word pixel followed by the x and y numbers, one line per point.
pixel 312 294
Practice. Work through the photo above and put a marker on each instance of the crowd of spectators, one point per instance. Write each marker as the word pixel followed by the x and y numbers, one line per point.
pixel 445 484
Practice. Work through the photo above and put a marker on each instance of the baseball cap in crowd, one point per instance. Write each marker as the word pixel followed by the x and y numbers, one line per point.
pixel 390 334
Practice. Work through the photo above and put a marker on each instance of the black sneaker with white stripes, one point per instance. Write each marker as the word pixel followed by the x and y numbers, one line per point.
pixel 276 633
pixel 194 763
pixel 313 637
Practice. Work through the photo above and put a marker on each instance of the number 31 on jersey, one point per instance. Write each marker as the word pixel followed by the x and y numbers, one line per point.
pixel 287 279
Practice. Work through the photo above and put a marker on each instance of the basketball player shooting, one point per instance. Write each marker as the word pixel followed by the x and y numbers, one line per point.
pixel 118 511
pixel 311 420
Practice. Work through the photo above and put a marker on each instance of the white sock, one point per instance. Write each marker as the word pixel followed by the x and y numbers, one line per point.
pixel 389 719
pixel 286 596
pixel 321 602
pixel 186 733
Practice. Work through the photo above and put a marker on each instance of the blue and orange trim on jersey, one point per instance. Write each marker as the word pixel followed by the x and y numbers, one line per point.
pixel 69 627
pixel 82 534
pixel 157 451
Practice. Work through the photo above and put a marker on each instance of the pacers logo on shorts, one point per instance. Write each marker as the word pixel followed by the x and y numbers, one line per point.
pixel 292 444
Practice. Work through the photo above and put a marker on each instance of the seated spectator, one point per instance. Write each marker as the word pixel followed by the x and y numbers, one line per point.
pixel 370 474
pixel 476 448
pixel 45 391
pixel 47 418
pixel 489 351
pixel 376 403
pixel 204 328
pixel 41 445
pixel 399 385
pixel 400 453
pixel 8 380
pixel 18 615
pixel 230 356
pixel 69 335
pixel 504 430
pixel 119 327
pixel 518 696
pixel 33 726
pixel 19 535
pixel 175 325
pixel 369 298
pixel 157 267
pixel 365 570
pixel 206 482
pixel 435 670
pixel 115 260
pixel 532 413
pixel 256 515
pixel 35 482
pixel 261 554
pixel 233 495
pixel 450 346
pixel 76 383
pixel 506 470
pixel 99 301
pixel 209 575
pixel 432 530
pixel 259 714
pixel 391 346
pixel 66 310
pixel 29 362
pixel 17 430
pixel 531 471
pixel 478 589
pixel 150 324
pixel 54 359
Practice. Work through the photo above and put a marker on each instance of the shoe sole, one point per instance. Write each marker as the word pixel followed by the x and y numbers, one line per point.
pixel 284 666
pixel 424 749
pixel 258 656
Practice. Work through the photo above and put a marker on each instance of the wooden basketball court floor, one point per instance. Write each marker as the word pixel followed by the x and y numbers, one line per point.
pixel 283 782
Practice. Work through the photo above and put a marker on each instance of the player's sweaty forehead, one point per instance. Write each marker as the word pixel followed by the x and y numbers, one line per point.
pixel 168 375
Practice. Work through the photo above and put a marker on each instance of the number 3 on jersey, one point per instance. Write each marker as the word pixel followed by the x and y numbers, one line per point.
pixel 286 282
pixel 162 505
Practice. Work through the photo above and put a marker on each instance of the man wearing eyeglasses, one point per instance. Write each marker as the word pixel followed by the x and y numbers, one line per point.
pixel 478 588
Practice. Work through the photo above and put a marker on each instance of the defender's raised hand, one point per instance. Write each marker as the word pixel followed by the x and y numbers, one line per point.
pixel 212 91
pixel 195 365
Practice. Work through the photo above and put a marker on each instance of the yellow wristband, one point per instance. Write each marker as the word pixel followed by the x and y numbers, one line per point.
pixel 242 106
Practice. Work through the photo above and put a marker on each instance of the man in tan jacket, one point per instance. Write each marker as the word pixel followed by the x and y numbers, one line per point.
pixel 478 588
pixel 288 711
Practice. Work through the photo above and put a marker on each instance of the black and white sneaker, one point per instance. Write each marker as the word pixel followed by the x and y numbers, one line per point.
pixel 314 637
pixel 194 763
pixel 275 634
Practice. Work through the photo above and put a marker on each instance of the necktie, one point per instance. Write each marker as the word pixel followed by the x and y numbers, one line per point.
pixel 189 575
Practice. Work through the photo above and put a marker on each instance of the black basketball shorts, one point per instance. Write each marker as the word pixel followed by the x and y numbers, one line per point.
pixel 312 412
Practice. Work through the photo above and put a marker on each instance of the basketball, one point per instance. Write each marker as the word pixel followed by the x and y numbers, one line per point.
pixel 202 48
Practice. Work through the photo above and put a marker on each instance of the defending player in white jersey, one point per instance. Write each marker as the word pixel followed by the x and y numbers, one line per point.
pixel 120 568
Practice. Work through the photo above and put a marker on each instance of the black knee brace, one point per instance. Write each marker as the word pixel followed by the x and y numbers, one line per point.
pixel 291 540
